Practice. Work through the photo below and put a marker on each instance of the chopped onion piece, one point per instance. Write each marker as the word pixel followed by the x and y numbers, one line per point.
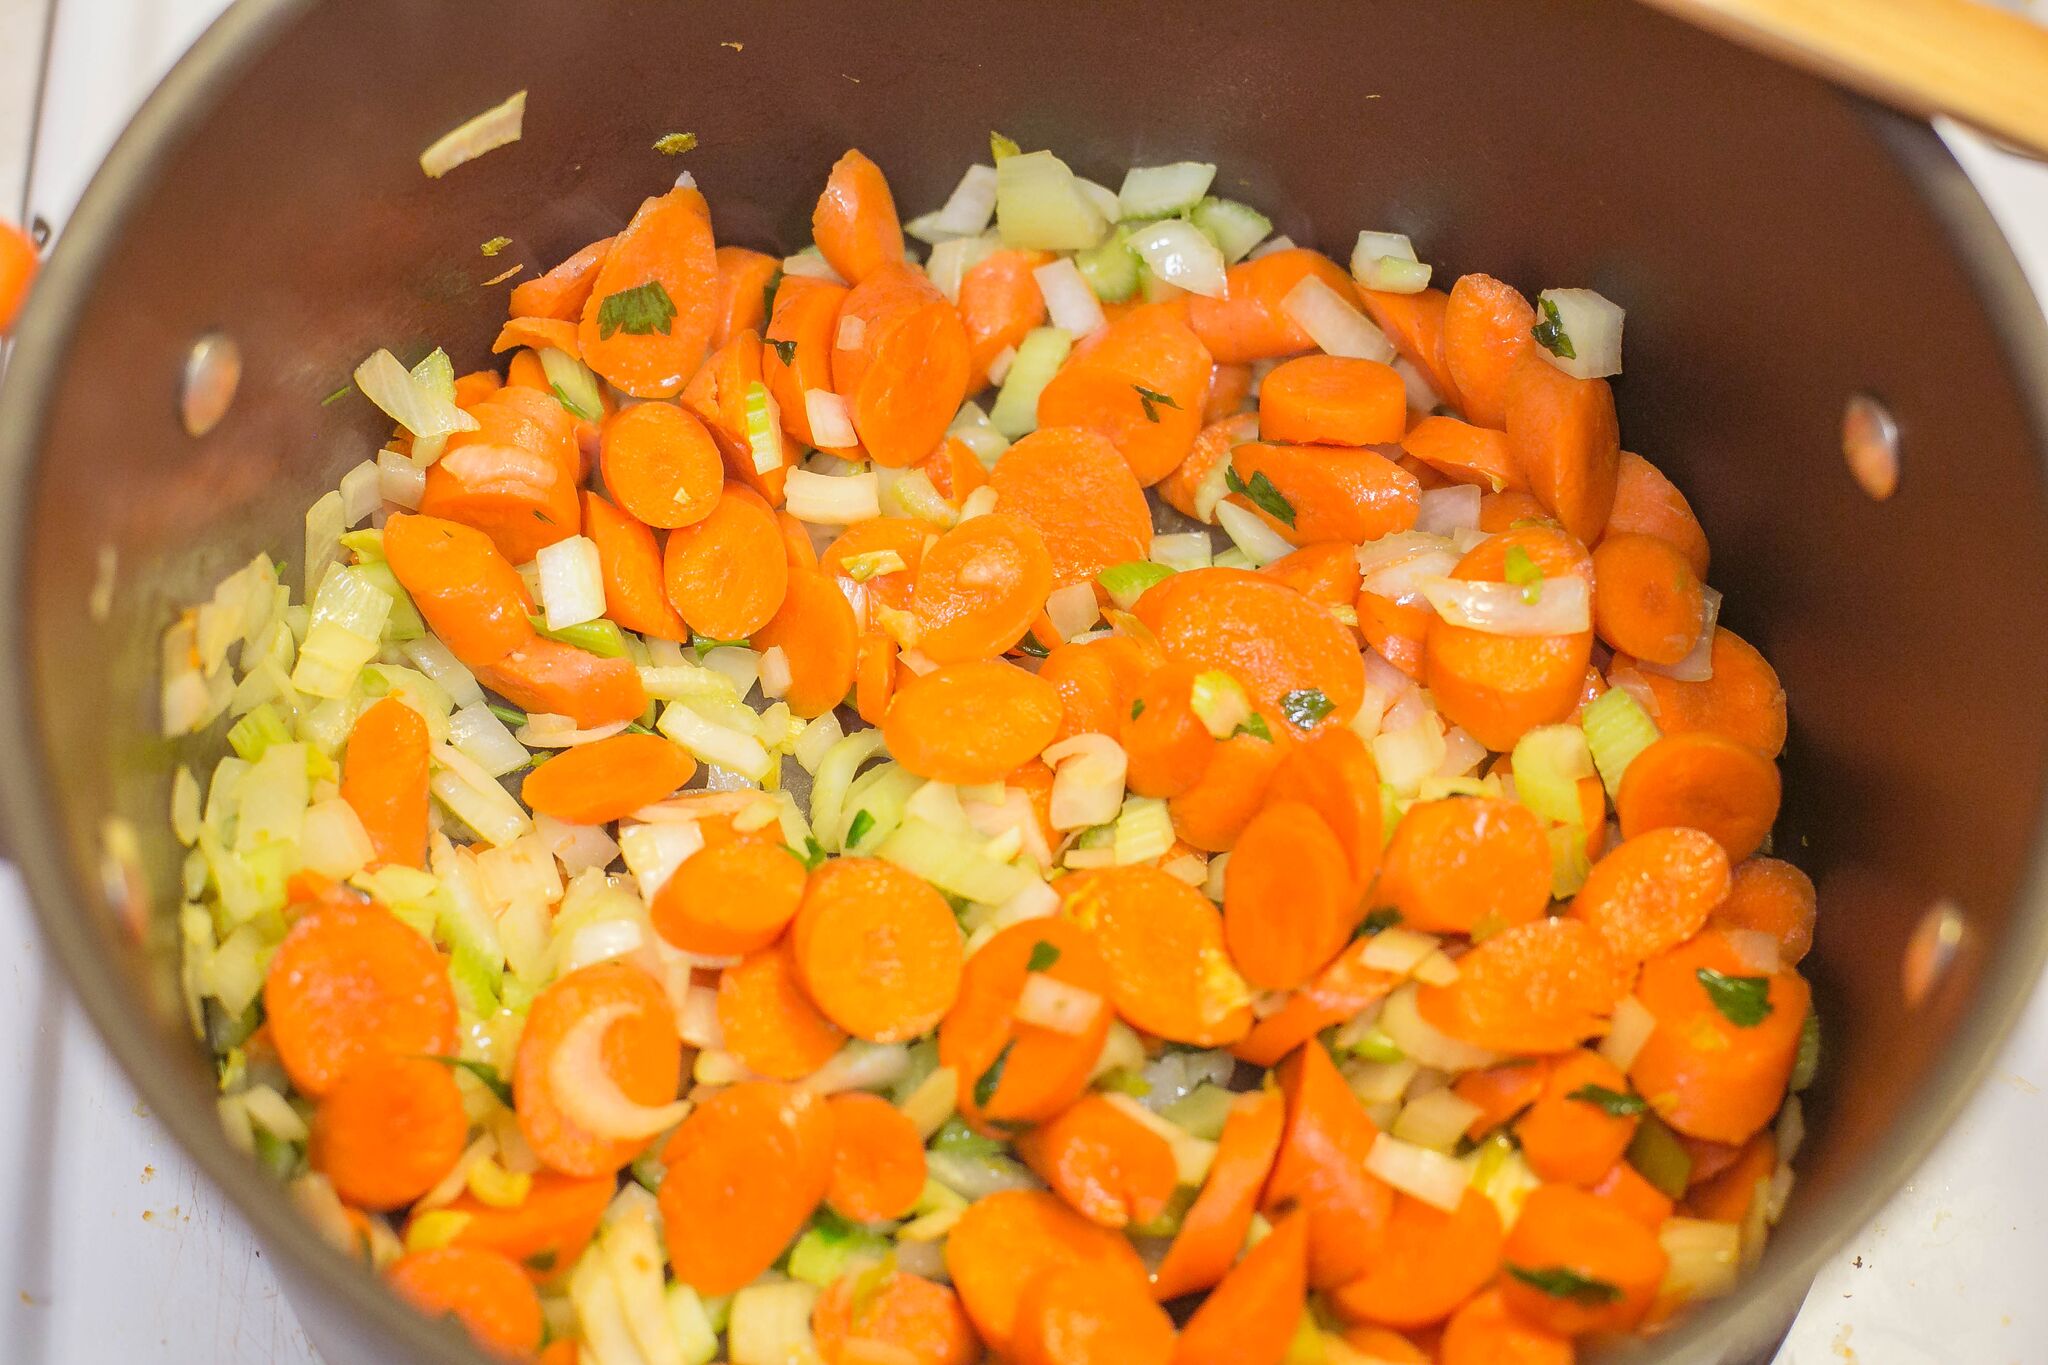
pixel 775 672
pixel 954 257
pixel 1420 1040
pixel 495 127
pixel 999 365
pixel 1759 952
pixel 1422 397
pixel 1437 1180
pixel 1385 261
pixel 1333 324
pixel 580 847
pixel 1563 605
pixel 979 503
pixel 1157 191
pixel 1088 781
pixel 1398 950
pixel 583 1087
pixel 1445 510
pixel 407 401
pixel 825 500
pixel 360 493
pixel 1178 253
pixel 831 426
pixel 1101 196
pixel 1588 325
pixel 697 1018
pixel 1627 1031
pixel 1072 609
pixel 1698 664
pixel 1181 550
pixel 399 480
pixel 1703 1258
pixel 1056 1005
pixel 971 206
pixel 1069 302
pixel 1435 1120
pixel 1260 543
pixel 571 582
pixel 853 331
pixel 1271 246
pixel 476 733
pixel 811 263
pixel 654 851
pixel 1041 205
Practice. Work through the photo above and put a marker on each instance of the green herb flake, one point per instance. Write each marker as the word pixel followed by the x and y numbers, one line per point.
pixel 1744 1001
pixel 1304 706
pixel 644 310
pixel 1043 955
pixel 571 406
pixel 1153 401
pixel 675 144
pixel 986 1083
pixel 1562 1282
pixel 515 719
pixel 1124 1081
pixel 1256 728
pixel 1001 148
pixel 768 293
pixel 858 828
pixel 540 1262
pixel 1521 571
pixel 484 1072
pixel 1137 707
pixel 1550 333
pixel 1262 494
pixel 1029 645
pixel 785 351
pixel 496 245
pixel 1617 1103
pixel 810 855
pixel 1378 920
pixel 704 644
pixel 331 399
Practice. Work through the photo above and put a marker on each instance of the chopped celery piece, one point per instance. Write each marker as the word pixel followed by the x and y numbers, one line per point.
pixel 574 385
pixel 923 1061
pixel 1235 228
pixel 1143 830
pixel 1657 1156
pixel 1156 191
pixel 1040 205
pixel 764 429
pixel 1617 729
pixel 1201 1111
pixel 1569 864
pixel 953 862
pixel 955 1136
pixel 404 623
pixel 350 598
pixel 1126 583
pixel 695 1335
pixel 366 543
pixel 330 660
pixel 832 1247
pixel 1549 761
pixel 257 731
pixel 1220 702
pixel 1111 268
pixel 1039 357
pixel 1167 1221
pixel 601 637
pixel 1375 1046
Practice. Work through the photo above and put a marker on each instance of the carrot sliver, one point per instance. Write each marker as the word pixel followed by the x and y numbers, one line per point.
pixel 1464 453
pixel 1333 772
pixel 1097 681
pixel 1037 1071
pixel 855 224
pixel 1415 324
pixel 562 291
pixel 1166 746
pixel 1321 1167
pixel 384 773
pixel 1212 446
pixel 814 628
pixel 1486 332
pixel 1484 1332
pixel 1649 603
pixel 1250 1317
pixel 642 1055
pixel 805 323
pixel 630 561
pixel 1248 322
pixel 559 679
pixel 350 981
pixel 874 676
pixel 1329 492
pixel 607 779
pixel 648 319
pixel 1444 1259
pixel 1726 1197
pixel 745 1171
pixel 877 1159
pixel 547 1230
pixel 1637 1197
pixel 1212 814
pixel 971 722
pixel 1338 992
pixel 743 278
pixel 1647 503
pixel 1501 1091
pixel 1213 1229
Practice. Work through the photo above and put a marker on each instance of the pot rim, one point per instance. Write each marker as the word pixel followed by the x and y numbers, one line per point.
pixel 60 894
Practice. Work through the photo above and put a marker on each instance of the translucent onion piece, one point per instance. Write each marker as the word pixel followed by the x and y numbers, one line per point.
pixel 1333 324
pixel 586 1092
pixel 496 127
pixel 1563 606
pixel 1069 302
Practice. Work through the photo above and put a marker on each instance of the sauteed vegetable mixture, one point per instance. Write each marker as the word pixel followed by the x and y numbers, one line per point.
pixel 1350 937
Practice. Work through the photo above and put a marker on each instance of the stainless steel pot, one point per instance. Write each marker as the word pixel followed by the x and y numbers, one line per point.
pixel 1780 246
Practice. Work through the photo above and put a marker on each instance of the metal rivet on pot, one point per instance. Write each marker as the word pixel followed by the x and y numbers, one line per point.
pixel 1870 443
pixel 213 371
pixel 1931 951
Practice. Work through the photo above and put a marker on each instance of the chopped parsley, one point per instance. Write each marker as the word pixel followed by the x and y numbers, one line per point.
pixel 644 310
pixel 857 829
pixel 1304 706
pixel 1561 1282
pixel 1153 400
pixel 1043 955
pixel 1137 707
pixel 1550 333
pixel 1617 1103
pixel 785 351
pixel 1744 1001
pixel 986 1083
pixel 1262 494
pixel 1256 728
pixel 810 855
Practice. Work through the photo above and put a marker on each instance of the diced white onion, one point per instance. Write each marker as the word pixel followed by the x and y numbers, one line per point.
pixel 580 847
pixel 1563 606
pixel 1155 191
pixel 979 503
pixel 332 840
pixel 1101 197
pixel 1445 510
pixel 831 426
pixel 399 480
pixel 1073 609
pixel 495 127
pixel 853 330
pixel 1180 254
pixel 917 661
pixel 827 501
pixel 408 401
pixel 1703 1258
pixel 654 851
pixel 1181 550
pixel 1422 396
pixel 1420 1040
pixel 543 731
pixel 1271 246
pixel 571 582
pixel 479 736
pixel 775 673
pixel 954 257
pixel 360 493
pixel 999 365
pixel 1398 950
pixel 1627 1031
pixel 1437 1180
pixel 1088 781
pixel 811 263
pixel 1462 754
pixel 971 207
pixel 1069 302
pixel 1758 951
pixel 1333 323
pixel 1698 664
pixel 1592 324
pixel 601 942
pixel 1057 1005
pixel 1260 542
pixel 1435 1120
pixel 697 1018
pixel 434 659
pixel 711 743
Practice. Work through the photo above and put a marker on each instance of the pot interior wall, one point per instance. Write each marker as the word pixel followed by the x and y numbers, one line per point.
pixel 1772 253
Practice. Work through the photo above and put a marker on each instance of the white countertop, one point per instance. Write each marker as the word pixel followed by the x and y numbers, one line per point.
pixel 118 1250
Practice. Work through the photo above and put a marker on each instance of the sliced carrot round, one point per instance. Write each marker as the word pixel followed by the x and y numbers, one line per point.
pixel 1004 1243
pixel 1248 322
pixel 384 774
pixel 513 478
pixel 1742 701
pixel 1079 1316
pixel 486 1293
pixel 1289 898
pixel 1212 446
pixel 1486 331
pixel 560 679
pixel 1097 681
pixel 726 573
pixel 1772 897
pixel 1333 772
pixel 1339 992
pixel 805 322
pixel 1110 1167
pixel 1071 484
pixel 1269 637
pixel 855 223
pixel 630 560
pixel 607 779
pixel 877 949
pixel 643 1058
pixel 731 897
pixel 388 1130
pixel 718 396
pixel 1326 492
pixel 1321 1167
pixel 1464 453
pixel 1252 1315
pixel 1012 1071
pixel 1444 1259
pixel 743 278
pixel 856 1324
pixel 980 586
pixel 904 536
pixel 1415 324
pixel 1212 814
pixel 1541 987
pixel 1647 503
pixel 1141 382
pixel 1704 781
pixel 661 464
pixel 1566 442
pixel 1169 971
pixel 1648 602
pixel 1324 571
pixel 1484 1332
pixel 814 629
pixel 1654 891
pixel 1467 863
pixel 1567 1230
pixel 561 292
pixel 877 1159
pixel 1166 746
pixel 1332 400
pixel 971 722
pixel 652 307
pixel 906 374
pixel 1000 302
pixel 544 1232
pixel 470 594
pixel 349 982
pixel 1570 1134
pixel 768 1022
pixel 745 1171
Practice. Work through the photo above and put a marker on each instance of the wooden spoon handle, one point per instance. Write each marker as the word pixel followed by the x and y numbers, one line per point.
pixel 1982 66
